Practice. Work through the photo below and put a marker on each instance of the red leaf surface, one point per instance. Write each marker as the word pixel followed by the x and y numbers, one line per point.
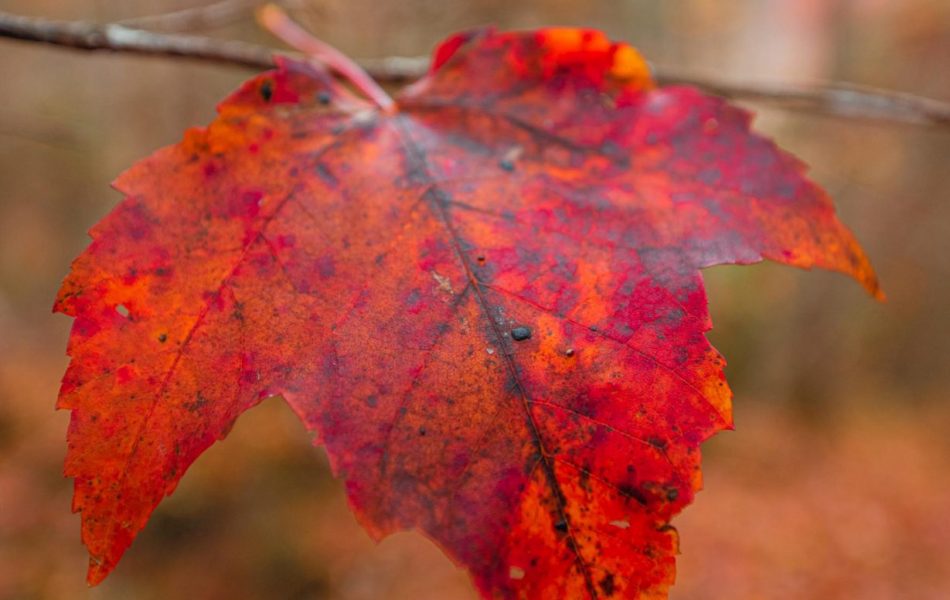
pixel 486 304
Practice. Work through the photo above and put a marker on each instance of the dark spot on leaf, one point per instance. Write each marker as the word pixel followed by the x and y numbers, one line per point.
pixel 198 403
pixel 325 175
pixel 666 527
pixel 506 164
pixel 584 478
pixel 519 334
pixel 267 90
pixel 480 258
pixel 632 492
pixel 569 352
pixel 325 266
pixel 607 584
pixel 710 176
pixel 163 337
pixel 422 431
pixel 323 98
pixel 561 526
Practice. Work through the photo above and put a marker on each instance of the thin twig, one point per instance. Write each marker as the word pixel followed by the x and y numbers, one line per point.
pixel 395 69
pixel 118 38
pixel 196 18
pixel 838 100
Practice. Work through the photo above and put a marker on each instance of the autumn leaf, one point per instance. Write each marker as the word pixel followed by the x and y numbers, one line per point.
pixel 485 302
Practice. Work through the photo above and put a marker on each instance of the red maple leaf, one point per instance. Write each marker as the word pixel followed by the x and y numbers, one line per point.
pixel 485 302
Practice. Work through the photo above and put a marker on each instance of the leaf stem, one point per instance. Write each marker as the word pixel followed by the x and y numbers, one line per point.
pixel 274 19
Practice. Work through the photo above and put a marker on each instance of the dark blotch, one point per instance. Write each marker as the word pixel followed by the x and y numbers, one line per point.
pixel 710 176
pixel 326 175
pixel 666 527
pixel 163 337
pixel 584 480
pixel 197 404
pixel 323 98
pixel 633 492
pixel 607 584
pixel 519 334
pixel 422 431
pixel 325 266
pixel 267 90
pixel 561 526
pixel 507 164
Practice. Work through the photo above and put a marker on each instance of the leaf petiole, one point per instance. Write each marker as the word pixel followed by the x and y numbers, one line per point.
pixel 275 20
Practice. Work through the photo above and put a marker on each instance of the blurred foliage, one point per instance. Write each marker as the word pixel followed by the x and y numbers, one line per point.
pixel 836 482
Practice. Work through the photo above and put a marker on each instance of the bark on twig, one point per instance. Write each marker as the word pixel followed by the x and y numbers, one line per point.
pixel 838 100
pixel 834 99
pixel 83 35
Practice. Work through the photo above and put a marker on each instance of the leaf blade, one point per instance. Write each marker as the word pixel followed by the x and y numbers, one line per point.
pixel 487 306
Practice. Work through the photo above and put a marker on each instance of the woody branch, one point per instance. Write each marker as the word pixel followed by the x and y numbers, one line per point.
pixel 834 99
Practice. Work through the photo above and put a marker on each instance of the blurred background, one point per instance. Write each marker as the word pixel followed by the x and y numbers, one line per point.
pixel 836 482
